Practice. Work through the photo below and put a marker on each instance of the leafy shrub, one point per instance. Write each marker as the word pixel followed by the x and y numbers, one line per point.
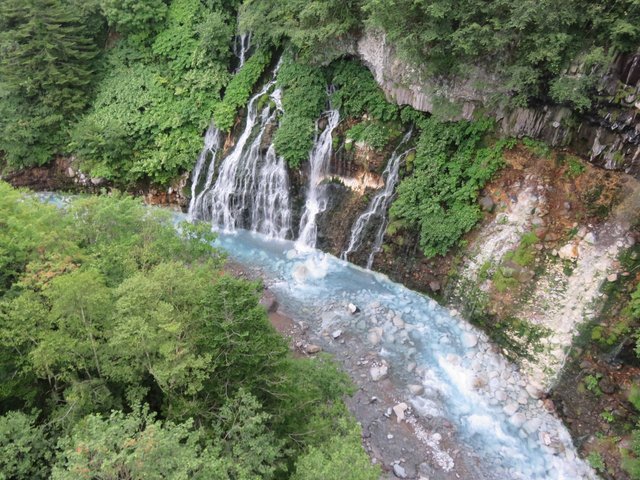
pixel 439 199
pixel 575 167
pixel 374 134
pixel 357 93
pixel 538 148
pixel 303 98
pixel 239 90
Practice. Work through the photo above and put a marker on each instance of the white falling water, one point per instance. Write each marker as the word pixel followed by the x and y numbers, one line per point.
pixel 271 214
pixel 241 47
pixel 316 201
pixel 251 189
pixel 212 143
pixel 378 207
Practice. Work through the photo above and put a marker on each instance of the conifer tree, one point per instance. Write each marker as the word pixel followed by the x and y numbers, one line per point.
pixel 46 68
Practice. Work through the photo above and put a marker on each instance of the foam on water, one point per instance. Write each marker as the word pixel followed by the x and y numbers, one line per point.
pixel 461 378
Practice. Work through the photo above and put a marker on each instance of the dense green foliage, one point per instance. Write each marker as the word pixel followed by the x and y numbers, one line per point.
pixel 304 96
pixel 239 90
pixel 439 198
pixel 357 93
pixel 157 96
pixel 47 62
pixel 309 24
pixel 530 44
pixel 373 134
pixel 126 353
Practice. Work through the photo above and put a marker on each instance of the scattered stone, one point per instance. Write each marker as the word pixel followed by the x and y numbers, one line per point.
pixel 379 372
pixel 336 334
pixel 398 322
pixel 399 471
pixel 375 335
pixel 311 349
pixel 352 309
pixel 590 238
pixel 487 203
pixel 518 419
pixel 612 278
pixel 399 410
pixel 389 437
pixel 533 391
pixel 511 408
pixel 569 252
pixel 469 340
pixel 549 405
pixel 537 222
pixel 411 366
pixel 434 286
pixel 532 426
pixel 607 386
pixel 98 181
pixel 416 389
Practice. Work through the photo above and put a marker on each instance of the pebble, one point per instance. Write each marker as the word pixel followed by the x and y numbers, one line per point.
pixel 399 410
pixel 511 408
pixel 532 426
pixel 379 372
pixel 469 340
pixel 532 391
pixel 399 471
pixel 518 419
pixel 352 309
pixel 612 278
pixel 311 349
pixel 416 389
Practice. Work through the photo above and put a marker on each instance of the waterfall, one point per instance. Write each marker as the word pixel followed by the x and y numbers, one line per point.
pixel 379 206
pixel 316 201
pixel 252 188
pixel 241 47
pixel 212 143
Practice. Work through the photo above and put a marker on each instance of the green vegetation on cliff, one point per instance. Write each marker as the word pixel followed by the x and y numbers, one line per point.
pixel 125 352
pixel 439 199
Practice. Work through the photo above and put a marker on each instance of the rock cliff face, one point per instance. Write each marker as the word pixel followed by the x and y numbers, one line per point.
pixel 608 135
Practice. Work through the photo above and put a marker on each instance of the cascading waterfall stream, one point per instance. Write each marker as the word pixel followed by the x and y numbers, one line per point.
pixel 252 187
pixel 212 144
pixel 379 206
pixel 241 47
pixel 316 201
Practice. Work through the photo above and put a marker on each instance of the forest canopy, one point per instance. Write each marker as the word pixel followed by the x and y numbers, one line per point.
pixel 128 87
pixel 126 352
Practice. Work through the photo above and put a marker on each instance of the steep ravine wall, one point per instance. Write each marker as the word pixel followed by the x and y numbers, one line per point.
pixel 608 135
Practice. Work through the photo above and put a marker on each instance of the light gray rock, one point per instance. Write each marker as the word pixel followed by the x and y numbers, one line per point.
pixel 518 419
pixel 352 309
pixel 416 389
pixel 311 349
pixel 379 372
pixel 399 410
pixel 469 340
pixel 511 408
pixel 532 426
pixel 399 471
pixel 336 333
pixel 487 203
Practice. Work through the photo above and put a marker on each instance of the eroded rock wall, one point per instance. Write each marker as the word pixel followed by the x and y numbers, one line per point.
pixel 608 135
